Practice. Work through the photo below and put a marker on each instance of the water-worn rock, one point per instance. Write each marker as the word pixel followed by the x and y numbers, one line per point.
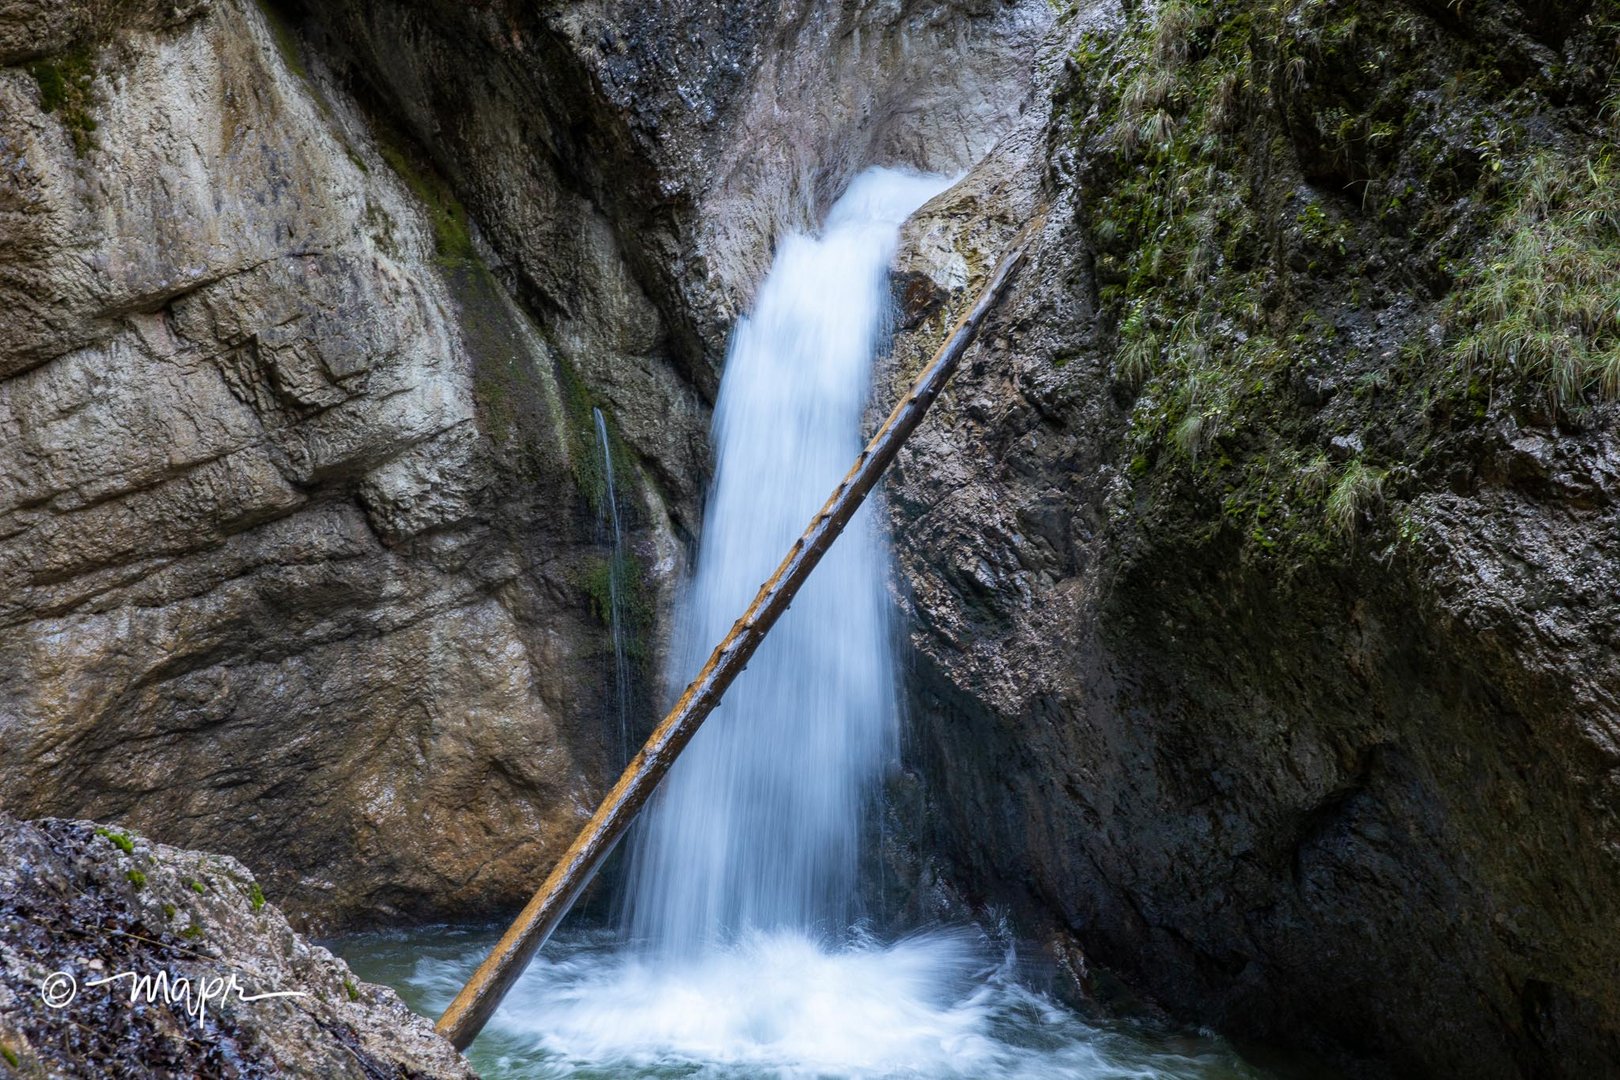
pixel 80 904
pixel 296 502
pixel 301 547
pixel 1259 642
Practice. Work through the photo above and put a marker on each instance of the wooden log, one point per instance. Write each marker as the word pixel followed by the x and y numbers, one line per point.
pixel 471 1009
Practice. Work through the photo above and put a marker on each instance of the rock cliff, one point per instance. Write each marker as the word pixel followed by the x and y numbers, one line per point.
pixel 296 499
pixel 1260 561
pixel 1258 568
pixel 301 502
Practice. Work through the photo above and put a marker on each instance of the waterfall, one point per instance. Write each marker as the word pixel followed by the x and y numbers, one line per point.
pixel 758 824
pixel 743 959
pixel 615 583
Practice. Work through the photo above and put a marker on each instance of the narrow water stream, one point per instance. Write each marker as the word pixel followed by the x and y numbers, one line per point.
pixel 615 582
pixel 739 949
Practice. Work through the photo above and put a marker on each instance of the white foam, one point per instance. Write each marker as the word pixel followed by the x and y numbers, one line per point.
pixel 943 1004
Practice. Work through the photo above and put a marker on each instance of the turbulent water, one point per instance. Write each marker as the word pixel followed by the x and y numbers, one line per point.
pixel 946 1005
pixel 739 952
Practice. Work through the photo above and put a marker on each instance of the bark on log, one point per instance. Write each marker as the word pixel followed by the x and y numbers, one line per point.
pixel 471 1009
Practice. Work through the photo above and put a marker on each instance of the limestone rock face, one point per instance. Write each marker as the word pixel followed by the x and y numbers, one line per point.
pixel 633 164
pixel 294 534
pixel 1258 646
pixel 309 307
pixel 80 904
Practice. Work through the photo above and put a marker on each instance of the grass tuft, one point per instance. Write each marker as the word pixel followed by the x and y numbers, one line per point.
pixel 1139 346
pixel 1544 312
pixel 1359 490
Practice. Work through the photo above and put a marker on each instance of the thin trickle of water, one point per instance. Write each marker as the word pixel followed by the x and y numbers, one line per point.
pixel 615 583
pixel 757 826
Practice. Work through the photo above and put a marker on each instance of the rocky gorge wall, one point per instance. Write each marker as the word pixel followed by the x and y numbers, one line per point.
pixel 308 309
pixel 292 569
pixel 1257 568
pixel 1259 563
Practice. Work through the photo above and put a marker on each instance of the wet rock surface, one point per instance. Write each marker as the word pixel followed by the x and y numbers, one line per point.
pixel 1282 686
pixel 81 903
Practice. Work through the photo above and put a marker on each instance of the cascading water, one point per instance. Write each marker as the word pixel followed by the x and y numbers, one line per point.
pixel 615 584
pixel 758 824
pixel 741 959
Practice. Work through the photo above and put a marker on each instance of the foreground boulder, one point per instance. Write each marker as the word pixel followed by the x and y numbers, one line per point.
pixel 80 903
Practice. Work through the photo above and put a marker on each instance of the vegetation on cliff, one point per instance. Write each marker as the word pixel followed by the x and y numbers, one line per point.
pixel 1359 225
pixel 65 90
pixel 1264 620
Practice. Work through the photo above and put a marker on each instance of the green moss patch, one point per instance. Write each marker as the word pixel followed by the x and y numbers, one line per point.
pixel 286 41
pixel 635 598
pixel 452 232
pixel 67 91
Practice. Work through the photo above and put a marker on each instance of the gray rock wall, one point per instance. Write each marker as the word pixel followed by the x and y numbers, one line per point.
pixel 300 499
pixel 1341 785
pixel 84 904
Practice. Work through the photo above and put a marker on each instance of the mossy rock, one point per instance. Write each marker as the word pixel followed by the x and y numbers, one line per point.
pixel 1264 175
pixel 67 91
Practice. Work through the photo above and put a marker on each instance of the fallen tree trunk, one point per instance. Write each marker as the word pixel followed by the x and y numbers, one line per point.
pixel 471 1009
